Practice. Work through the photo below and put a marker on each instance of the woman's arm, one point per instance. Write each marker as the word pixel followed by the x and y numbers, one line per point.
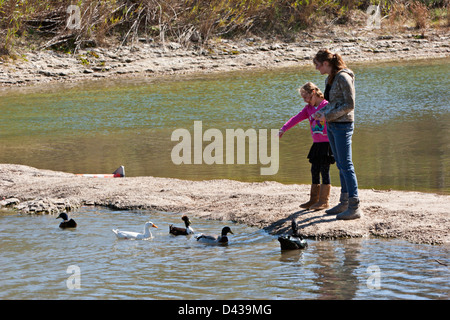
pixel 346 102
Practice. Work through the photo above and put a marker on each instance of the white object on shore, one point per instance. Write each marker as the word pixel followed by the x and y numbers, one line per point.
pixel 119 173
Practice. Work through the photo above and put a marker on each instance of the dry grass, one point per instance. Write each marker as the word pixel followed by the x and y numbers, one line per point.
pixel 187 21
pixel 419 12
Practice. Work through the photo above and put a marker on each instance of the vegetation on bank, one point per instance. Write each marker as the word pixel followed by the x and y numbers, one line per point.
pixel 68 25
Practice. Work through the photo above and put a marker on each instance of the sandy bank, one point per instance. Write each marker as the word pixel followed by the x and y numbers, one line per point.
pixel 414 216
pixel 150 59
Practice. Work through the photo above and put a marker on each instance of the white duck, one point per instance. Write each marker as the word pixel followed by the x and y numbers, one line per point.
pixel 135 235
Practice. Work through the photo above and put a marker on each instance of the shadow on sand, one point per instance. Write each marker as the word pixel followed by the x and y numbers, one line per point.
pixel 304 218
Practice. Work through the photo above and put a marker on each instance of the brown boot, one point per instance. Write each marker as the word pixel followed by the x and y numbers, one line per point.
pixel 313 196
pixel 324 196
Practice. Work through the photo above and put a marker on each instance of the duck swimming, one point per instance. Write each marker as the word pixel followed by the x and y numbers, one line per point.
pixel 294 241
pixel 177 231
pixel 129 235
pixel 221 240
pixel 66 222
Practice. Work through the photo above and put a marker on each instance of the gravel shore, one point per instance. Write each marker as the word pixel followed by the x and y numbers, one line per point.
pixel 150 59
pixel 413 216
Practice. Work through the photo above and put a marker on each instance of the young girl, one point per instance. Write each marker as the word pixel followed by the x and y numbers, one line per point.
pixel 320 155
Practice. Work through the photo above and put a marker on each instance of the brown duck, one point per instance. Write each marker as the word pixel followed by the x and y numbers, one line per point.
pixel 177 231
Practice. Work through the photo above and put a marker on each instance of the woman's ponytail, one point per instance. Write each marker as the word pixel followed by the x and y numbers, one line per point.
pixel 334 59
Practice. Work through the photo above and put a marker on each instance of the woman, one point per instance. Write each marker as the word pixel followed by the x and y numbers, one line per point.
pixel 339 115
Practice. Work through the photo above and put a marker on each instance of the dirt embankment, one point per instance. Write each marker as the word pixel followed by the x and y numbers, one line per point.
pixel 152 59
pixel 414 216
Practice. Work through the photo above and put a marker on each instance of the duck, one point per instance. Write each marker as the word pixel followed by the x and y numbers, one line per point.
pixel 66 222
pixel 129 235
pixel 177 231
pixel 294 241
pixel 218 240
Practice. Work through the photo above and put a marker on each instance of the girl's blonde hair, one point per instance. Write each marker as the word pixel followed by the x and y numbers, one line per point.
pixel 311 88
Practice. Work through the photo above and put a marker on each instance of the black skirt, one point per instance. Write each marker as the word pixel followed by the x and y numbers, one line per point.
pixel 321 153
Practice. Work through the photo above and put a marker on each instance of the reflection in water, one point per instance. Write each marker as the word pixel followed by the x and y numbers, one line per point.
pixel 335 270
pixel 401 138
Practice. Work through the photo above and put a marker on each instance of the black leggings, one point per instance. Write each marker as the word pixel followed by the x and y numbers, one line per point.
pixel 318 169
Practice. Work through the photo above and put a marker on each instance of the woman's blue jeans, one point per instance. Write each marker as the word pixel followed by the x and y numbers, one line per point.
pixel 340 136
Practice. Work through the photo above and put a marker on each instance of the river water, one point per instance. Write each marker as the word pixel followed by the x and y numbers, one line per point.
pixel 401 140
pixel 38 260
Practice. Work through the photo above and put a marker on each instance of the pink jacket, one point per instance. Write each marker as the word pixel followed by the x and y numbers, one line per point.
pixel 318 128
